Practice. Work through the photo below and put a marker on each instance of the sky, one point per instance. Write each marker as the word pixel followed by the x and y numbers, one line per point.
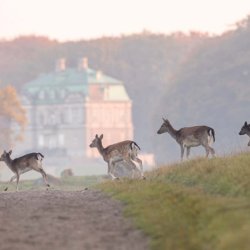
pixel 81 19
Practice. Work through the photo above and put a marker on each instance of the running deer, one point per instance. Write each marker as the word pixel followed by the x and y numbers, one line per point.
pixel 23 164
pixel 122 151
pixel 190 137
pixel 245 130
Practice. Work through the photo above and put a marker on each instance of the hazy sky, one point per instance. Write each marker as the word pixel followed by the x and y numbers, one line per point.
pixel 77 19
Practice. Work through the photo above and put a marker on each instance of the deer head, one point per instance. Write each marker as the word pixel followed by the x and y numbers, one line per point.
pixel 97 141
pixel 164 127
pixel 245 129
pixel 5 155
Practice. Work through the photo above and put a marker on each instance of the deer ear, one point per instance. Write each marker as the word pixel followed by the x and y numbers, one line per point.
pixel 96 136
pixel 101 136
pixel 10 152
pixel 245 124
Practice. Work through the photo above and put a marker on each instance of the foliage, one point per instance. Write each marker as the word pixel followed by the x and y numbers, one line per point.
pixel 199 204
pixel 11 112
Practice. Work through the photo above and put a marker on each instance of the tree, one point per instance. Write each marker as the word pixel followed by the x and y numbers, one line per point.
pixel 11 114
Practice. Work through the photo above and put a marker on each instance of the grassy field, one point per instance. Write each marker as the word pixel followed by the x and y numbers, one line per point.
pixel 198 204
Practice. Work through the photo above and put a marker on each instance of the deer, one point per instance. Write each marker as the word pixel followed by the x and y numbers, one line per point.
pixel 245 130
pixel 23 164
pixel 188 137
pixel 126 151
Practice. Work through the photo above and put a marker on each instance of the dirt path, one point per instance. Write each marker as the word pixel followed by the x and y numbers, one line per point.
pixel 65 220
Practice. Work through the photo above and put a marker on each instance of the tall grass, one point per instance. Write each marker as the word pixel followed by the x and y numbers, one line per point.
pixel 198 204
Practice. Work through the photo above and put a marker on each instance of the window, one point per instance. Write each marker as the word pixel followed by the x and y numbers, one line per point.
pixel 77 114
pixel 52 141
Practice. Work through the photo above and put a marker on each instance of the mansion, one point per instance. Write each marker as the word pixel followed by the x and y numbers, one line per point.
pixel 68 107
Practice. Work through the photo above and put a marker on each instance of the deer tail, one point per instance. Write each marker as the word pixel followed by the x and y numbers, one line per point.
pixel 211 130
pixel 134 144
pixel 39 156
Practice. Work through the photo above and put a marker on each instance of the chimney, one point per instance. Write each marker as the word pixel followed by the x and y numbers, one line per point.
pixel 83 63
pixel 60 64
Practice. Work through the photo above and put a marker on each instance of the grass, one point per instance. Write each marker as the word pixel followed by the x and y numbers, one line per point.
pixel 71 183
pixel 198 204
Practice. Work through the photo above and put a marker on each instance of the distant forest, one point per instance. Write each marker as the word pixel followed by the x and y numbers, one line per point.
pixel 190 79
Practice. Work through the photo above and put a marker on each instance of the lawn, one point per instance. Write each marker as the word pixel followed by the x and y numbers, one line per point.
pixel 198 204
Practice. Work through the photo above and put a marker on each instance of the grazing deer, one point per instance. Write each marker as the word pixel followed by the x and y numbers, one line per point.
pixel 23 164
pixel 122 151
pixel 190 137
pixel 245 130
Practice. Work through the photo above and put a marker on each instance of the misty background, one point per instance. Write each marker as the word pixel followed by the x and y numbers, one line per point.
pixel 190 79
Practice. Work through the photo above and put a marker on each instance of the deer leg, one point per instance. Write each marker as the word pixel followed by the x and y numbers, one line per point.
pixel 45 178
pixel 111 167
pixel 207 150
pixel 11 179
pixel 139 161
pixel 188 152
pixel 17 181
pixel 212 151
pixel 133 166
pixel 133 173
pixel 110 171
pixel 44 175
pixel 182 152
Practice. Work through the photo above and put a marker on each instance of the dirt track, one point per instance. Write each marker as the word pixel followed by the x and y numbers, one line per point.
pixel 65 220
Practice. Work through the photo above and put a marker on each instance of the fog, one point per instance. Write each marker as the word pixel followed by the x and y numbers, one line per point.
pixel 128 85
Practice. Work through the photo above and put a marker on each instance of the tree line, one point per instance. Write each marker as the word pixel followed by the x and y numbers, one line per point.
pixel 190 78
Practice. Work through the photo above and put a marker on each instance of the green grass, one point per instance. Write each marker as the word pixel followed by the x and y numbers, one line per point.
pixel 198 204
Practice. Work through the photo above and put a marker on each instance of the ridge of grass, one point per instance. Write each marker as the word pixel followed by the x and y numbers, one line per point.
pixel 197 204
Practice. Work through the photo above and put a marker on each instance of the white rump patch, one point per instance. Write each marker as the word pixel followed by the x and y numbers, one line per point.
pixel 134 146
pixel 39 157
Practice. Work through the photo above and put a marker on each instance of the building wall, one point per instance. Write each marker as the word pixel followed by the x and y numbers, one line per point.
pixel 101 107
pixel 55 126
pixel 112 119
pixel 69 128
